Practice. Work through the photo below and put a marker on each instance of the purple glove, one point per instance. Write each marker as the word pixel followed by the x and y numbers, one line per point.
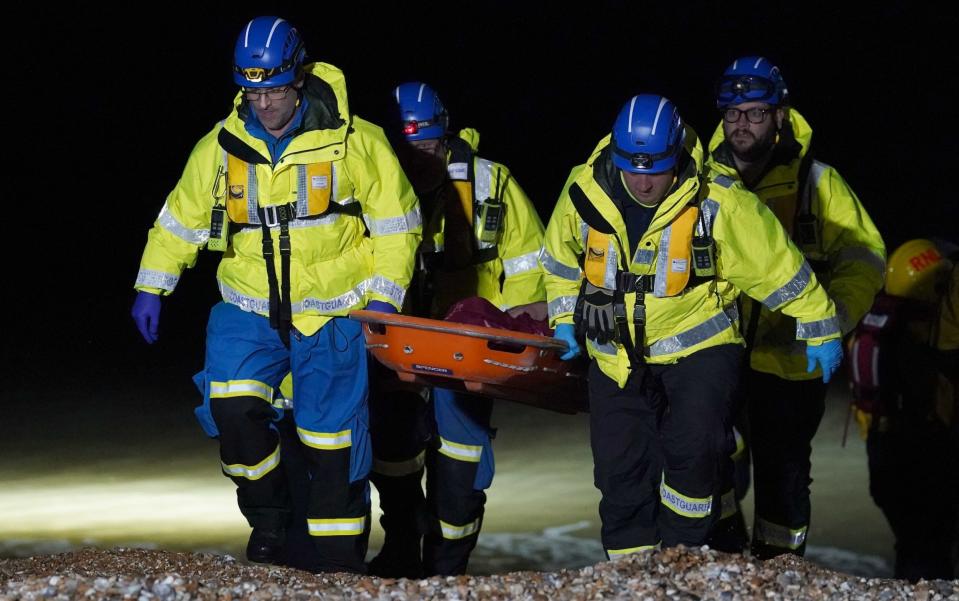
pixel 146 314
pixel 380 306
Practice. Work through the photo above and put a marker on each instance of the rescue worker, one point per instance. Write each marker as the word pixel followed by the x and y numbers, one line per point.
pixel 765 144
pixel 482 238
pixel 646 258
pixel 287 187
pixel 904 371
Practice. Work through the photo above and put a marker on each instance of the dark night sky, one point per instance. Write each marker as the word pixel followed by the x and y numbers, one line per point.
pixel 120 101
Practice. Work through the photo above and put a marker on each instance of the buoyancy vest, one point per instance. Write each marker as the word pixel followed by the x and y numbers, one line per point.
pixel 474 213
pixel 463 232
pixel 689 262
pixel 236 206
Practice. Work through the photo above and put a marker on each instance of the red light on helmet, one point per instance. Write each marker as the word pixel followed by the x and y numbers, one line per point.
pixel 411 128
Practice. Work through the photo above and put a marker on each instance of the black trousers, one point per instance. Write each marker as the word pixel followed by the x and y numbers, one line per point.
pixel 307 481
pixel 914 479
pixel 661 448
pixel 449 516
pixel 783 418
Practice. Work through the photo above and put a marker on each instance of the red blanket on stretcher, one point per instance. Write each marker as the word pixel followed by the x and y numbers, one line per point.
pixel 480 312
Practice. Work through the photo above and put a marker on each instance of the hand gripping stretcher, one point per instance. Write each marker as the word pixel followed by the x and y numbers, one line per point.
pixel 493 362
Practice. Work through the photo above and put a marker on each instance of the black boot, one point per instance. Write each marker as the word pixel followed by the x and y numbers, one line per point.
pixel 403 503
pixel 399 557
pixel 266 545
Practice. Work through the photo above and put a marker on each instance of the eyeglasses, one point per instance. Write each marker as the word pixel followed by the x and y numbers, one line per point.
pixel 271 93
pixel 753 115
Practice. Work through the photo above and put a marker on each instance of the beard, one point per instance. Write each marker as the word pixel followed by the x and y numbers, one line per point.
pixel 748 148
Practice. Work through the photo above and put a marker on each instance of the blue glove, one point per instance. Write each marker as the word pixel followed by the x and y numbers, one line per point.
pixel 828 355
pixel 382 307
pixel 146 314
pixel 565 332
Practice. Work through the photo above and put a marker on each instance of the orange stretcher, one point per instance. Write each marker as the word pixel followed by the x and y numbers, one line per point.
pixel 493 362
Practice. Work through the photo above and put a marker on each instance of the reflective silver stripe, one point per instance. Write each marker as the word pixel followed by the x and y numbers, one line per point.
pixel 811 192
pixel 728 504
pixel 338 304
pixel 302 202
pixel 553 266
pixel 336 527
pixel 253 472
pixel 305 223
pixel 453 532
pixel 457 171
pixel 347 300
pixel 167 221
pixel 696 334
pixel 396 469
pixel 461 452
pixel 662 263
pixel 294 224
pixel 861 254
pixel 619 554
pixel 854 363
pixel 583 232
pixel 561 305
pixel 157 279
pixel 779 536
pixel 483 176
pixel 607 348
pixel 690 507
pixel 709 208
pixel 394 225
pixel 388 289
pixel 326 441
pixel 334 187
pixel 791 289
pixel 253 196
pixel 817 329
pixel 644 256
pixel 521 264
pixel 247 303
pixel 234 388
pixel 612 265
pixel 482 190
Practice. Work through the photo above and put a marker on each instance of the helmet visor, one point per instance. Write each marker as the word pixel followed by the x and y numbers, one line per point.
pixel 644 162
pixel 733 89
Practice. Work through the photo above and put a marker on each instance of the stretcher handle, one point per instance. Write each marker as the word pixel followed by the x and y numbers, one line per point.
pixel 434 325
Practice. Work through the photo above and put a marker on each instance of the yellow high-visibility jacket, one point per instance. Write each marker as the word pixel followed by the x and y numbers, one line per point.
pixel 847 251
pixel 341 259
pixel 505 269
pixel 753 255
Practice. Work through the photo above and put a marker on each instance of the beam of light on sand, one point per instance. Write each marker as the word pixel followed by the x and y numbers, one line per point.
pixel 122 509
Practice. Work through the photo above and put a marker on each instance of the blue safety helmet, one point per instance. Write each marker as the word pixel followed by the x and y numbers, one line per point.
pixel 269 53
pixel 648 135
pixel 422 114
pixel 751 79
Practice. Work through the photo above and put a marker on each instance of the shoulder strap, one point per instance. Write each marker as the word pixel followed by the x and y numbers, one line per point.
pixel 588 211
